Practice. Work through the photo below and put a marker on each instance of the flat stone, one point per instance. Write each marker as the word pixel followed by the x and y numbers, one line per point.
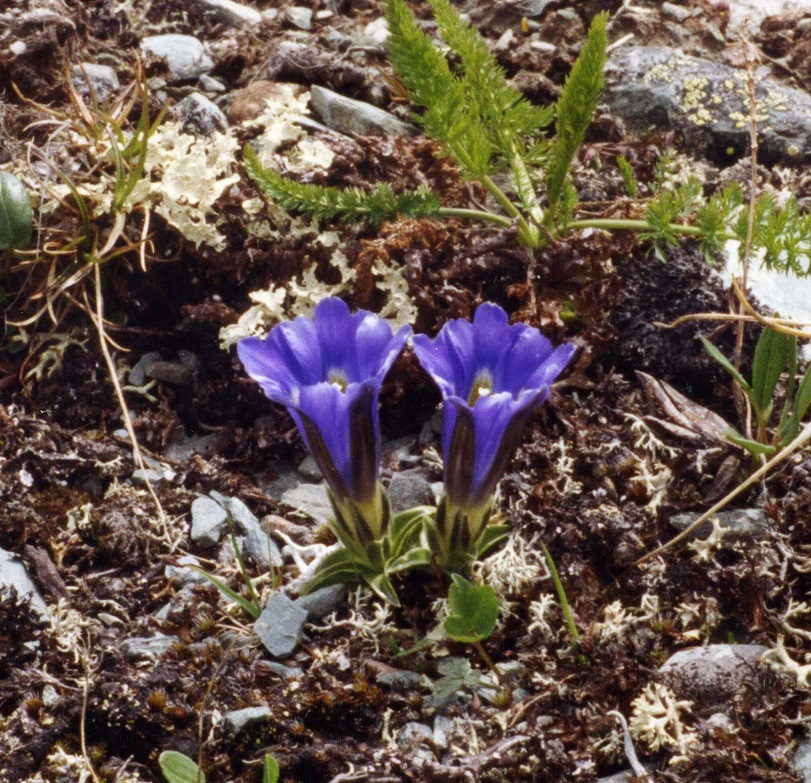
pixel 147 646
pixel 506 40
pixel 238 721
pixel 346 115
pixel 148 476
pixel 137 375
pixel 417 738
pixel 408 489
pixel 181 573
pixel 185 55
pixel 308 468
pixel 285 672
pixel 713 675
pixel 262 549
pixel 706 103
pixel 232 13
pixel 800 761
pixel 676 12
pixel 210 84
pixel 752 522
pixel 543 46
pixel 200 116
pixel 101 78
pixel 14 578
pixel 322 602
pixel 400 679
pixel 280 626
pixel 208 522
pixel 376 33
pixel 299 16
pixel 310 499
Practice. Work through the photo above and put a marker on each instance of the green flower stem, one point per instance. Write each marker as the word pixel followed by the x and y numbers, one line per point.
pixel 612 224
pixel 527 235
pixel 564 602
pixel 475 214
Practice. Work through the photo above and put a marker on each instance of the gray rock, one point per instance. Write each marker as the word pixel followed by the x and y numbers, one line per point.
pixel 18 47
pixel 320 603
pixel 414 731
pixel 280 625
pixel 208 522
pixel 50 696
pixel 711 676
pixel 676 12
pixel 102 79
pixel 182 575
pixel 14 578
pixel 147 646
pixel 238 721
pixel 309 469
pixel 245 521
pixel 376 33
pixel 262 549
pixel 543 46
pixel 800 761
pixel 618 777
pixel 444 728
pixel 751 522
pixel 409 489
pixel 530 8
pixel 397 452
pixel 210 84
pixel 148 476
pixel 200 116
pixel 285 672
pixel 182 446
pixel 138 375
pixel 400 679
pixel 184 54
pixel 706 103
pixel 720 721
pixel 417 738
pixel 349 116
pixel 299 16
pixel 505 41
pixel 309 498
pixel 232 13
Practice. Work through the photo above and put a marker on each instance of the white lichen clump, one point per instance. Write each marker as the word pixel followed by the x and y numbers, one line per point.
pixel 656 722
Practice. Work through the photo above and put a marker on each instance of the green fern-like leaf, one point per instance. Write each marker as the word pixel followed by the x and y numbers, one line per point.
pixel 664 209
pixel 448 116
pixel 504 111
pixel 713 217
pixel 575 107
pixel 346 204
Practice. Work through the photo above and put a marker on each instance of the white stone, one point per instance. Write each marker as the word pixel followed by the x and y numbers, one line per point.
pixel 233 13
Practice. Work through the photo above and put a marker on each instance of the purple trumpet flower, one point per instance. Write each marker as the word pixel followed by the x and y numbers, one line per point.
pixel 492 376
pixel 327 371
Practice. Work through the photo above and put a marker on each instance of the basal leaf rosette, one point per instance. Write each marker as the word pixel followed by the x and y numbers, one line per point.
pixel 492 376
pixel 327 371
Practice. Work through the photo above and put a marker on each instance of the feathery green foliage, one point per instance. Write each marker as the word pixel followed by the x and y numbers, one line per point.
pixel 575 107
pixel 448 117
pixel 350 204
pixel 663 211
pixel 628 178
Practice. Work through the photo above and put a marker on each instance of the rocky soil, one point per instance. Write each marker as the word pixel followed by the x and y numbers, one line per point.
pixel 115 649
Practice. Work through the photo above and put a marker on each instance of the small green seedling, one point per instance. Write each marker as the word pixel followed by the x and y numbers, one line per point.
pixel 16 215
pixel 179 768
pixel 473 611
pixel 775 353
pixel 270 771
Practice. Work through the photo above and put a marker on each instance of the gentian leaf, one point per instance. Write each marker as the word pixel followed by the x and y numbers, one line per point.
pixel 254 610
pixel 754 447
pixel 473 611
pixel 492 536
pixel 771 354
pixel 179 768
pixel 16 215
pixel 727 365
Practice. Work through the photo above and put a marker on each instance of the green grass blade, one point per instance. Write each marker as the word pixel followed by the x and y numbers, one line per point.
pixel 254 610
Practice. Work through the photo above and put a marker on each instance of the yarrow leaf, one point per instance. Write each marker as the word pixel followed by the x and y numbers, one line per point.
pixel 348 204
pixel 575 107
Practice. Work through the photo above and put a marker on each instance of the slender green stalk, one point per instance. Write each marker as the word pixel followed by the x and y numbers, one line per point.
pixel 526 234
pixel 474 214
pixel 564 602
pixel 618 224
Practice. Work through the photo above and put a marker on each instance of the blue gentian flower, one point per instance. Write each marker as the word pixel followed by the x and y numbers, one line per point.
pixel 492 376
pixel 327 371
